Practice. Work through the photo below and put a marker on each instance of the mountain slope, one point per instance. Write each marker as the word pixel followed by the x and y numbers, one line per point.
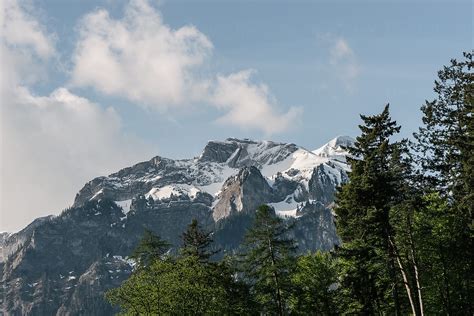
pixel 63 264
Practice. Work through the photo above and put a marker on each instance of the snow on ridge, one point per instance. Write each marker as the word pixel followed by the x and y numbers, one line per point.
pixel 272 158
pixel 97 194
pixel 302 160
pixel 214 187
pixel 286 208
pixel 177 190
pixel 125 205
pixel 334 148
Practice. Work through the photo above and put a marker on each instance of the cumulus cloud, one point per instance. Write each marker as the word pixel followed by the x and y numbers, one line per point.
pixel 49 145
pixel 143 59
pixel 19 27
pixel 344 62
pixel 250 105
pixel 23 41
pixel 139 57
pixel 52 144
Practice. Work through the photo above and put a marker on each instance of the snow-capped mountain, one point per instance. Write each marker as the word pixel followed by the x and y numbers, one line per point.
pixel 294 174
pixel 63 264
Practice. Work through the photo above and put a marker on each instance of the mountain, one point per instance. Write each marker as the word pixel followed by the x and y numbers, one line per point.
pixel 63 264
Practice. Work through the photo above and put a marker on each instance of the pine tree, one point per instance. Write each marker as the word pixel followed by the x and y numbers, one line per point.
pixel 197 242
pixel 185 285
pixel 268 260
pixel 432 224
pixel 315 285
pixel 445 146
pixel 446 141
pixel 150 248
pixel 370 279
pixel 173 287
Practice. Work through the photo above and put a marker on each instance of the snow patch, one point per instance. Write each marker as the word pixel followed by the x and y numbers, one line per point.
pixel 218 176
pixel 125 205
pixel 97 194
pixel 177 190
pixel 286 208
pixel 334 148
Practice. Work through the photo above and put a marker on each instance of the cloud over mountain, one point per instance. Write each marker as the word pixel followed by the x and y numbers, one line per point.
pixel 53 142
pixel 141 58
pixel 49 144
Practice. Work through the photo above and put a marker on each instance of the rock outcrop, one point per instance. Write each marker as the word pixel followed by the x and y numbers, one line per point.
pixel 62 265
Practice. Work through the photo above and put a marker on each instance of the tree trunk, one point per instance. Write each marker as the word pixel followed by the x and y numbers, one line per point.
pixel 404 276
pixel 415 267
pixel 275 277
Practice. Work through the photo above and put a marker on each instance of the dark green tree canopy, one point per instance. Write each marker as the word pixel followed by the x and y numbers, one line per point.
pixel 446 139
pixel 197 242
pixel 363 208
pixel 404 219
pixel 268 260
pixel 150 248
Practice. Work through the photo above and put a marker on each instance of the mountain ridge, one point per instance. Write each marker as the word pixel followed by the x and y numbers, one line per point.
pixel 63 264
pixel 208 172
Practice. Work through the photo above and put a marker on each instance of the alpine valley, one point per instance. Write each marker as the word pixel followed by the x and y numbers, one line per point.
pixel 62 265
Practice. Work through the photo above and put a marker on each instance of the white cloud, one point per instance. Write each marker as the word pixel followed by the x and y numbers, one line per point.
pixel 49 145
pixel 340 50
pixel 143 59
pixel 344 63
pixel 139 57
pixel 250 105
pixel 23 42
pixel 20 28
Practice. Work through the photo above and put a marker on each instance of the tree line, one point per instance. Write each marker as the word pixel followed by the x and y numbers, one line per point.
pixel 404 219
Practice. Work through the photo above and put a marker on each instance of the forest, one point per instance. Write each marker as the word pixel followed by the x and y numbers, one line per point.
pixel 404 219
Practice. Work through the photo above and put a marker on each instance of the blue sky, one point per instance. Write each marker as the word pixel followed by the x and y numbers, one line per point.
pixel 94 91
pixel 398 45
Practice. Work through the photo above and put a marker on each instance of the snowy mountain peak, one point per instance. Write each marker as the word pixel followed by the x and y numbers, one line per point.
pixel 221 189
pixel 238 153
pixel 288 169
pixel 344 141
pixel 336 147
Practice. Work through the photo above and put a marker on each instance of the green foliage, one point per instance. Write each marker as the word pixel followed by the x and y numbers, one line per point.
pixel 369 280
pixel 267 261
pixel 315 282
pixel 445 144
pixel 196 242
pixel 446 140
pixel 407 241
pixel 432 233
pixel 150 248
pixel 181 287
pixel 186 285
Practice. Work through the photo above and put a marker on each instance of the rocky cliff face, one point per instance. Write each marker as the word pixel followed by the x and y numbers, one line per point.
pixel 63 264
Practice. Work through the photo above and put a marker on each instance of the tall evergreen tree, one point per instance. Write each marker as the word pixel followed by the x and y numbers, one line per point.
pixel 268 260
pixel 315 285
pixel 150 248
pixel 370 279
pixel 445 146
pixel 185 285
pixel 197 242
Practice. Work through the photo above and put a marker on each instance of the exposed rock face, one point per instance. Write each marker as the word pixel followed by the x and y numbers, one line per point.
pixel 242 193
pixel 315 215
pixel 218 151
pixel 10 243
pixel 63 264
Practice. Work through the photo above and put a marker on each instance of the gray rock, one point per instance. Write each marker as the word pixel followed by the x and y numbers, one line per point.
pixel 63 264
pixel 242 193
